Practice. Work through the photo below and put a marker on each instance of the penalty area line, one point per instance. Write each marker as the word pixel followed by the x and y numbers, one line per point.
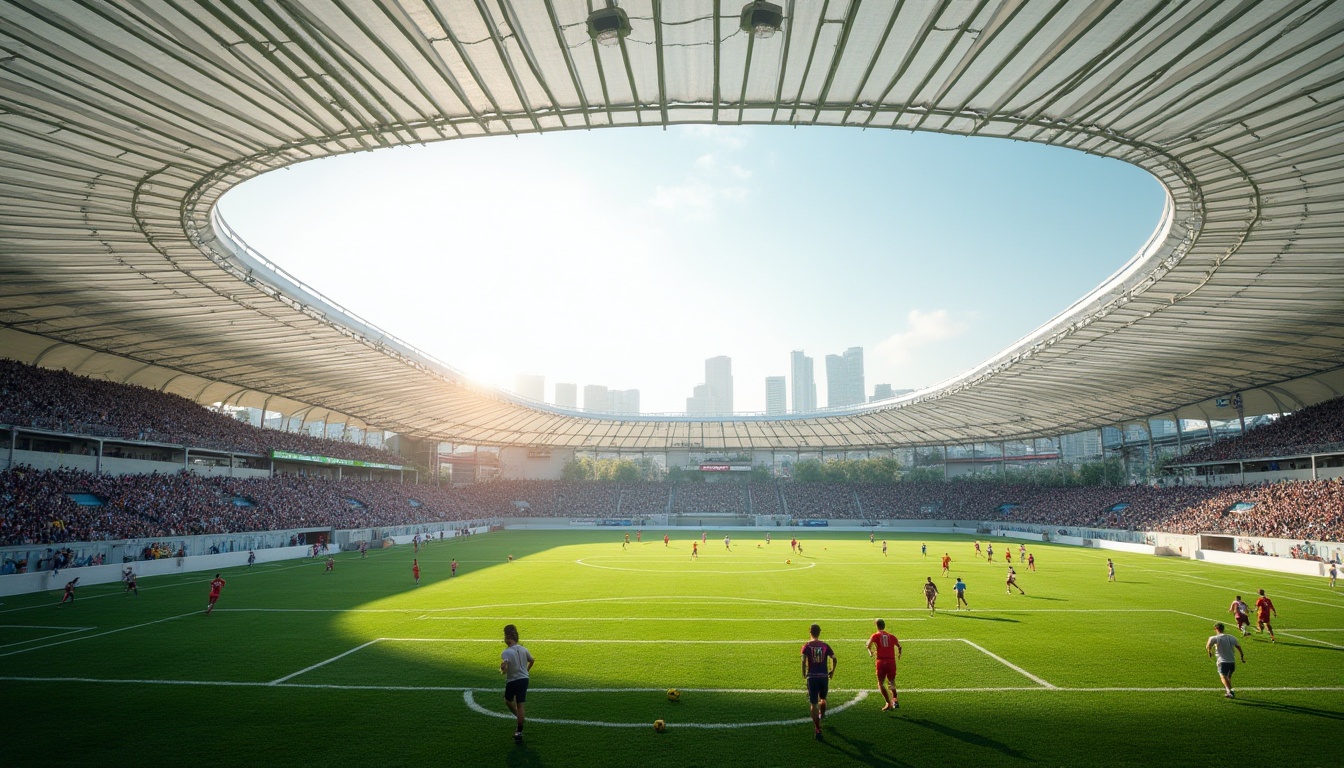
pixel 475 707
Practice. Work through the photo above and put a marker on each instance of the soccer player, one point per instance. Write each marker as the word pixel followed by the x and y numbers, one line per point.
pixel 930 594
pixel 1110 569
pixel 415 570
pixel 767 537
pixel 216 586
pixel 1021 552
pixel 515 663
pixel 251 558
pixel 416 541
pixel 626 543
pixel 69 592
pixel 363 549
pixel 1008 555
pixel 704 537
pixel 331 564
pixel 639 535
pixel 665 540
pixel 871 535
pixel 1239 610
pixel 977 548
pixel 989 552
pixel 452 568
pixel 726 544
pixel 924 551
pixel 888 651
pixel 793 545
pixel 1263 607
pixel 695 550
pixel 1334 573
pixel 128 576
pixel 1222 644
pixel 1031 560
pixel 947 564
pixel 818 675
pixel 800 548
pixel 884 547
pixel 1012 582
pixel 960 589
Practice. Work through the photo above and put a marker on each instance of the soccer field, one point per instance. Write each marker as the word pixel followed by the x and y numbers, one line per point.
pixel 362 667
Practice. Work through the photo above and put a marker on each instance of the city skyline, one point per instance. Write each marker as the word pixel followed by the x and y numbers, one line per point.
pixel 931 252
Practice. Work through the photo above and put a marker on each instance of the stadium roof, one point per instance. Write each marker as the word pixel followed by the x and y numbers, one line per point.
pixel 122 123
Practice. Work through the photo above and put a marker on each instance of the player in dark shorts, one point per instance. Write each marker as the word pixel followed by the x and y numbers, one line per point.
pixel 818 674
pixel 69 592
pixel 216 586
pixel 452 568
pixel 515 663
pixel 128 576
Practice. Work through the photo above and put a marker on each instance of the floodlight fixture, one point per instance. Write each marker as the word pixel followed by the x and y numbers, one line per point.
pixel 608 25
pixel 762 19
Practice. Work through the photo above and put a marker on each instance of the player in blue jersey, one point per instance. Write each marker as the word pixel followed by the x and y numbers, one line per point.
pixel 818 673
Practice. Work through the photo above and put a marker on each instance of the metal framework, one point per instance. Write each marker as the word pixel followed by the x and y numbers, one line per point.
pixel 122 123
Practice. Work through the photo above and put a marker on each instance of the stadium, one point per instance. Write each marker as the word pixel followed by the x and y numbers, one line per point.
pixel 365 600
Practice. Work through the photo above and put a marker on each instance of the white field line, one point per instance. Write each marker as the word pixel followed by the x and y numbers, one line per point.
pixel 338 656
pixel 1009 664
pixel 1310 639
pixel 696 619
pixel 751 568
pixel 736 691
pixel 1203 582
pixel 837 709
pixel 46 626
pixel 98 634
pixel 1322 629
pixel 869 612
pixel 68 631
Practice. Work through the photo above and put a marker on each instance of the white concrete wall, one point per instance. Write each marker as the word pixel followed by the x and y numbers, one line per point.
pixel 44 460
pixel 22 583
pixel 1280 564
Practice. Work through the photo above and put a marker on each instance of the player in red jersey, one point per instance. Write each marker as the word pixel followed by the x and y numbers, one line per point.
pixel 1008 556
pixel 793 545
pixel 216 586
pixel 1031 560
pixel 666 540
pixel 1239 610
pixel 415 570
pixel 947 564
pixel 331 564
pixel 818 675
pixel 452 568
pixel 888 651
pixel 69 593
pixel 695 550
pixel 639 536
pixel 1263 607
pixel 977 549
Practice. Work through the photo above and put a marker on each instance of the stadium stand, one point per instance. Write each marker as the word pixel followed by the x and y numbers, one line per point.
pixel 710 498
pixel 63 402
pixel 1313 429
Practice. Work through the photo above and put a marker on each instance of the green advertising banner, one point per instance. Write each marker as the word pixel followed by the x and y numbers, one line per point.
pixel 291 456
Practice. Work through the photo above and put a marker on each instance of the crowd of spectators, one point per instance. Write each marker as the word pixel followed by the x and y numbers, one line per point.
pixel 816 501
pixel 60 401
pixel 1309 430
pixel 710 498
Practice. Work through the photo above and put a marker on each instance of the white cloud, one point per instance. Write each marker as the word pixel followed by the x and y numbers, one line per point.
pixel 709 184
pixel 924 329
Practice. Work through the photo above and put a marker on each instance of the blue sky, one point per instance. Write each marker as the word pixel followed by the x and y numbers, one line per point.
pixel 626 257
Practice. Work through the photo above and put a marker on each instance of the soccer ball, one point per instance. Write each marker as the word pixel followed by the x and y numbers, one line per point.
pixel 673 694
pixel 659 726
pixel 788 562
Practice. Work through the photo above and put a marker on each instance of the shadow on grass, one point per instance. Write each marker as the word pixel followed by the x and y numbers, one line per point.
pixel 523 756
pixel 1311 646
pixel 1292 709
pixel 861 751
pixel 974 739
pixel 1043 597
pixel 982 617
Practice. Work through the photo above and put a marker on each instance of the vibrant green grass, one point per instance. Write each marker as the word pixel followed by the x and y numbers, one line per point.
pixel 726 630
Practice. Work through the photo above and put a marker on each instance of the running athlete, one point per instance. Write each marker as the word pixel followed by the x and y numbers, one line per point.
pixel 695 550
pixel 1263 607
pixel 818 673
pixel 1008 555
pixel 871 536
pixel 1031 560
pixel 331 564
pixel 216 586
pixel 989 552
pixel 69 592
pixel 515 663
pixel 452 568
pixel 930 594
pixel 924 551
pixel 626 543
pixel 977 549
pixel 888 651
pixel 1110 569
pixel 884 547
pixel 947 564
pixel 726 544
pixel 1334 573
pixel 415 570
pixel 416 541
pixel 1239 610
pixel 251 558
pixel 1223 644
pixel 1021 552
pixel 128 576
pixel 793 545
pixel 1012 582
pixel 960 589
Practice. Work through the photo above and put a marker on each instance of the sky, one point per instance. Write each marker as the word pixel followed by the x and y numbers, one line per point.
pixel 626 257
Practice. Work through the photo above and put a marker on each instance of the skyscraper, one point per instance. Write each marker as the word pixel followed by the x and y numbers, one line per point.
pixel 882 392
pixel 567 395
pixel 774 396
pixel 700 403
pixel 844 378
pixel 624 401
pixel 804 385
pixel 530 386
pixel 596 398
pixel 719 378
